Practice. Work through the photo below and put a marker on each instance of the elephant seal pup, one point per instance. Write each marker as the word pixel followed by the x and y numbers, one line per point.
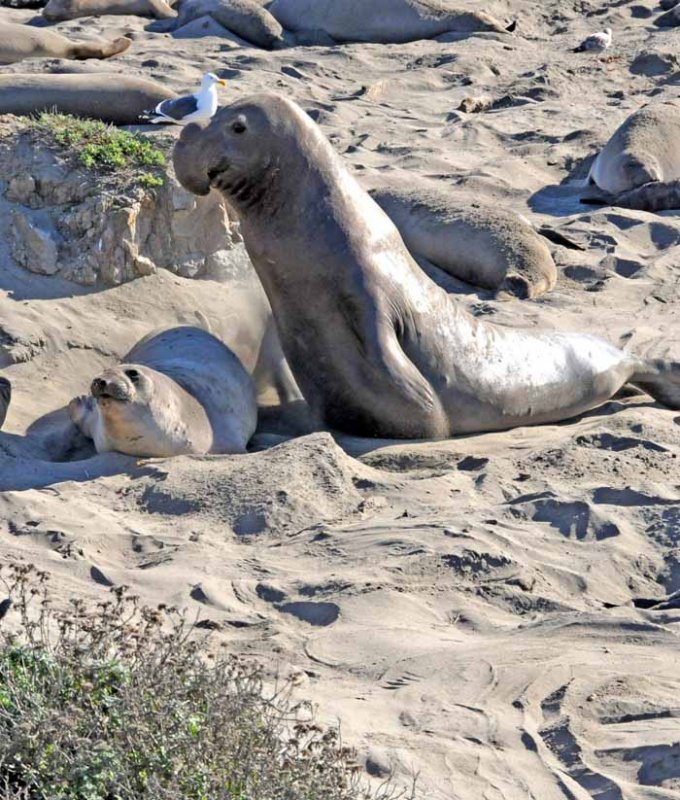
pixel 18 42
pixel 245 18
pixel 119 99
pixel 179 391
pixel 5 397
pixel 58 10
pixel 642 150
pixel 381 21
pixel 484 246
pixel 376 347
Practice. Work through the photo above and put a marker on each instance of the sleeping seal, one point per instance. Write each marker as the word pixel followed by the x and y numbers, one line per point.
pixel 57 10
pixel 381 21
pixel 178 391
pixel 488 247
pixel 643 150
pixel 375 346
pixel 18 42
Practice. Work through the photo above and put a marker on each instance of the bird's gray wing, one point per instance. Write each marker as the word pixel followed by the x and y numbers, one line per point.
pixel 178 108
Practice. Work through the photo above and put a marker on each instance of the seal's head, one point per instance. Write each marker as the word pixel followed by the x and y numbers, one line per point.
pixel 125 384
pixel 240 152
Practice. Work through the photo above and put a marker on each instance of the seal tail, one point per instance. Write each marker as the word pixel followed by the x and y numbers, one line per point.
pixel 100 49
pixel 660 379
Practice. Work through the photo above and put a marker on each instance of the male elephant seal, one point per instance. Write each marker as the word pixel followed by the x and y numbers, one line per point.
pixel 382 21
pixel 485 246
pixel 57 10
pixel 5 397
pixel 18 42
pixel 245 18
pixel 119 99
pixel 643 150
pixel 376 348
pixel 179 391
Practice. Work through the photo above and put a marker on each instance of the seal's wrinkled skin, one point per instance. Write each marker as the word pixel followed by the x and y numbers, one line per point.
pixel 179 391
pixel 375 346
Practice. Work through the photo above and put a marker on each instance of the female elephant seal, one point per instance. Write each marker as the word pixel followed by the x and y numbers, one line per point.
pixel 376 347
pixel 179 391
pixel 120 99
pixel 485 246
pixel 5 397
pixel 643 150
pixel 382 21
pixel 58 10
pixel 18 42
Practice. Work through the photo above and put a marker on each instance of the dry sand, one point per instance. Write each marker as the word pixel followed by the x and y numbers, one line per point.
pixel 472 609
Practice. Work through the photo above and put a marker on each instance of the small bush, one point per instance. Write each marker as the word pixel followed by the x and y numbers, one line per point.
pixel 102 147
pixel 122 702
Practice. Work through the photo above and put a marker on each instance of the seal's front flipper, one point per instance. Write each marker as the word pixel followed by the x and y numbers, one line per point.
pixel 83 413
pixel 660 379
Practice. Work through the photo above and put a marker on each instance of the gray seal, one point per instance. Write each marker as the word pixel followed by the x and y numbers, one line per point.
pixel 18 42
pixel 378 349
pixel 488 247
pixel 641 154
pixel 245 18
pixel 178 391
pixel 381 21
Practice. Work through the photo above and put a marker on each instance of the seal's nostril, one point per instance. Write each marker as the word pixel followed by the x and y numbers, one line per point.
pixel 98 386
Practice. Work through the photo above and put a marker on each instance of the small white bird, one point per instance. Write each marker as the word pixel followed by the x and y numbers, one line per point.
pixel 197 107
pixel 596 42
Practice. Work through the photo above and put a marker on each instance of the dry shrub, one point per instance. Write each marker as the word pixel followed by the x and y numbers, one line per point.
pixel 123 702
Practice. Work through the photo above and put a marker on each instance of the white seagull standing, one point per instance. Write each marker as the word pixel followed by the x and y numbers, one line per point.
pixel 596 42
pixel 197 107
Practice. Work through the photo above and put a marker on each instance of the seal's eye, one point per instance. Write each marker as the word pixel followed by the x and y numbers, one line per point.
pixel 239 126
pixel 133 375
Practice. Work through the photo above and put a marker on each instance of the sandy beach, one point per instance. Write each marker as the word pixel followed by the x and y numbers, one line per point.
pixel 498 613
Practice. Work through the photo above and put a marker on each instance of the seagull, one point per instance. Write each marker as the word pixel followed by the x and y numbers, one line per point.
pixel 596 42
pixel 197 107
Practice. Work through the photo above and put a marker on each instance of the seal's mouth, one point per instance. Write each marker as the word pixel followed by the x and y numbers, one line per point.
pixel 109 390
pixel 216 172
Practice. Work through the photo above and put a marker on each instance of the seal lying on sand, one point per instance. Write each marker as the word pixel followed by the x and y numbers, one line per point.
pixel 5 397
pixel 643 150
pixel 484 246
pixel 245 18
pixel 18 42
pixel 376 348
pixel 57 10
pixel 119 99
pixel 382 21
pixel 179 391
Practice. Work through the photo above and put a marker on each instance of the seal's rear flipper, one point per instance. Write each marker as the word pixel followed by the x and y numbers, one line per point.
pixel 5 397
pixel 655 196
pixel 660 379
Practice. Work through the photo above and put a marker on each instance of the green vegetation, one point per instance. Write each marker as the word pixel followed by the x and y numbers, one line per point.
pixel 103 148
pixel 122 702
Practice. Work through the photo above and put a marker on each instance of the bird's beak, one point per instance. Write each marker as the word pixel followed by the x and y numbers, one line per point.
pixel 222 83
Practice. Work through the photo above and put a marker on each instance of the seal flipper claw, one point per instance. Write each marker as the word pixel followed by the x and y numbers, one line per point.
pixel 660 379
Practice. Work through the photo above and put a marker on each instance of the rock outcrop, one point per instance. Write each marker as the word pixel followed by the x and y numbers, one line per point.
pixel 90 228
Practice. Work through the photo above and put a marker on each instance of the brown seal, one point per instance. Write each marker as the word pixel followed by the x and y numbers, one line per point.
pixel 178 391
pixel 57 10
pixel 110 97
pixel 375 346
pixel 18 42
